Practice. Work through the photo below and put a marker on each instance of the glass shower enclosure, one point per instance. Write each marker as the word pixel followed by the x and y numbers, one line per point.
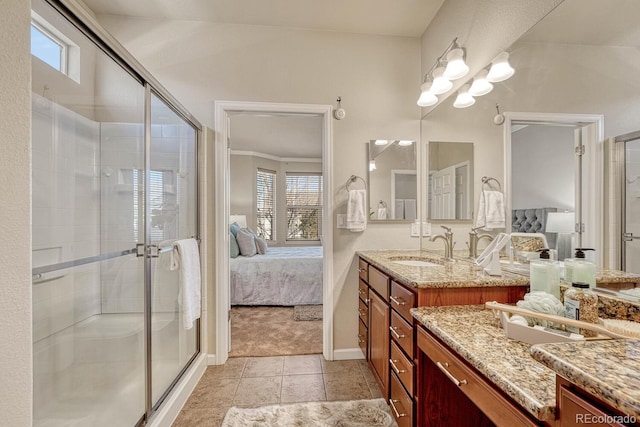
pixel 114 185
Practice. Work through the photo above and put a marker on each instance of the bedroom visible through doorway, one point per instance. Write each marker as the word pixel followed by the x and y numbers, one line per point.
pixel 276 208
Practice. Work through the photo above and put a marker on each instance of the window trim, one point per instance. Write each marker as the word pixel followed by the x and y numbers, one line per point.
pixel 310 207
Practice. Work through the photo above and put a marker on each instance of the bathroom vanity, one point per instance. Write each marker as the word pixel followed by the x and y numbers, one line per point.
pixel 423 328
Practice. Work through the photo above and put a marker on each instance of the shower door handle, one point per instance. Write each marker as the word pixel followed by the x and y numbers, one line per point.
pixel 152 250
pixel 627 237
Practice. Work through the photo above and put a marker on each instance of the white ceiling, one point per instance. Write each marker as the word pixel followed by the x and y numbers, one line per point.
pixel 388 17
pixel 280 135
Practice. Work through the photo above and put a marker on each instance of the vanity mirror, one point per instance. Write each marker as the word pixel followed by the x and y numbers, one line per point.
pixel 574 87
pixel 392 181
pixel 450 181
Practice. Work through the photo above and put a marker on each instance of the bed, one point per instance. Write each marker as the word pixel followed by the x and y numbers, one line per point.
pixel 282 276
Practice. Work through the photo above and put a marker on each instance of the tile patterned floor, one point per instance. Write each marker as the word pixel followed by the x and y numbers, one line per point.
pixel 259 381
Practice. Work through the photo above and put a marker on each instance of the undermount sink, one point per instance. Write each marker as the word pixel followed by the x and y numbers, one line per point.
pixel 416 263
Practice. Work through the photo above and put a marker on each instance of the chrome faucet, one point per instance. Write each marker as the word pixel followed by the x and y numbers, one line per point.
pixel 474 239
pixel 448 241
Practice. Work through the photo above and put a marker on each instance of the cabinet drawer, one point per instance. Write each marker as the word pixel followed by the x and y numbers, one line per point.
pixel 402 366
pixel 363 338
pixel 499 409
pixel 402 300
pixel 574 408
pixel 363 312
pixel 379 282
pixel 402 333
pixel 401 404
pixel 363 270
pixel 363 291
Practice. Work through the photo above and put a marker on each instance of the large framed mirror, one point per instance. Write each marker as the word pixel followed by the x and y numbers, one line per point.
pixel 450 181
pixel 392 180
pixel 581 60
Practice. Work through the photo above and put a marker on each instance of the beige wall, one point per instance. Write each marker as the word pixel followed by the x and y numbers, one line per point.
pixel 15 199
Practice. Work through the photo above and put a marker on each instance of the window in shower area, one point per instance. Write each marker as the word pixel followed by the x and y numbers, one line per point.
pixel 95 362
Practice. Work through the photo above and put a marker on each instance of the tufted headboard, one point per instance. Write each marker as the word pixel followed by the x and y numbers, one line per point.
pixel 533 220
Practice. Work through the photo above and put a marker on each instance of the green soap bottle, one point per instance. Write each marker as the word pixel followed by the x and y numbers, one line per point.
pixel 578 269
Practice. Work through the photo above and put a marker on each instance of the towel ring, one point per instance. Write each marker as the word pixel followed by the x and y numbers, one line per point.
pixel 353 179
pixel 486 180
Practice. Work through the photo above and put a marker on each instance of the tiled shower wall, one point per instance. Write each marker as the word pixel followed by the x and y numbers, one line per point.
pixel 66 215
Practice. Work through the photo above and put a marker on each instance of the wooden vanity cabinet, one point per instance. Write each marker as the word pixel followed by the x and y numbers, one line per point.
pixel 577 408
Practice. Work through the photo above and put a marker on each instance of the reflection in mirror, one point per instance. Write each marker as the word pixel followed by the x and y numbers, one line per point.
pixel 392 180
pixel 450 181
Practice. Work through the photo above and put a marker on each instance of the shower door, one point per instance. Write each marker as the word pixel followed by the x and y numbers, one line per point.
pixel 631 223
pixel 114 186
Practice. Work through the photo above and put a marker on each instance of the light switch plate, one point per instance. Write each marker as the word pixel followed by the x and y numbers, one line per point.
pixel 341 220
pixel 415 229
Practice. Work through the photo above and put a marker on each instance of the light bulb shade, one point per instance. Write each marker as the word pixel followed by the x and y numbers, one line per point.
pixel 456 68
pixel 405 143
pixel 464 99
pixel 480 86
pixel 427 98
pixel 440 83
pixel 500 68
pixel 372 165
pixel 560 222
pixel 381 142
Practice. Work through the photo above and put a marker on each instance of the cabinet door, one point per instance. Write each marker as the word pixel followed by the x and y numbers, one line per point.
pixel 379 340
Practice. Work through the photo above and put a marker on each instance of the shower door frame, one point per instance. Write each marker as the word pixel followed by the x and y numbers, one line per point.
pixel 620 152
pixel 87 25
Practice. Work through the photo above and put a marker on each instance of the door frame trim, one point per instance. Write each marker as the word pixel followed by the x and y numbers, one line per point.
pixel 221 203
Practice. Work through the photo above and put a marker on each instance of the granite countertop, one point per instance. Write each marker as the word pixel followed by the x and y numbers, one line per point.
pixel 473 333
pixel 448 274
pixel 616 276
pixel 609 369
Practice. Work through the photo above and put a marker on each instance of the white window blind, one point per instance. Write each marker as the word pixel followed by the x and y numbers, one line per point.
pixel 156 203
pixel 266 204
pixel 304 206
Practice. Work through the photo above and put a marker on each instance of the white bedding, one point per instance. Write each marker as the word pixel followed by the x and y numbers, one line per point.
pixel 283 276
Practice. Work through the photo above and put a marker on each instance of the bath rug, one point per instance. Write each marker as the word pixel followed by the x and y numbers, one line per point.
pixel 307 312
pixel 350 413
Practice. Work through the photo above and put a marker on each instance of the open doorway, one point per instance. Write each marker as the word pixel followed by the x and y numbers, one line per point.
pixel 266 178
pixel 275 194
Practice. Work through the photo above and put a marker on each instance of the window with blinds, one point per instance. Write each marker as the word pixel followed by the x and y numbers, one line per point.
pixel 304 206
pixel 161 204
pixel 266 204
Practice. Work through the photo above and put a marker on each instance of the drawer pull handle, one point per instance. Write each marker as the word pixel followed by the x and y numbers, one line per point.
pixel 443 367
pixel 361 312
pixel 367 300
pixel 362 291
pixel 361 270
pixel 393 331
pixel 393 406
pixel 395 368
pixel 397 300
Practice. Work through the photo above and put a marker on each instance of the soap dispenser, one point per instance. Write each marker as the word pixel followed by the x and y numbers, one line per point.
pixel 578 269
pixel 544 274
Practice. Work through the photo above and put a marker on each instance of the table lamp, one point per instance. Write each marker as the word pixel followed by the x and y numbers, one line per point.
pixel 562 223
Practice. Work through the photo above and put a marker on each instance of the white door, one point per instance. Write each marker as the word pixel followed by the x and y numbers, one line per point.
pixel 444 197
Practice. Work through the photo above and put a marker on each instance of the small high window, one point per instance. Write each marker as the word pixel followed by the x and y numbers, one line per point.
pixel 48 48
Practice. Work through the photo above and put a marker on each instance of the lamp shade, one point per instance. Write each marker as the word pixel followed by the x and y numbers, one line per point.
pixel 456 68
pixel 560 222
pixel 440 83
pixel 427 98
pixel 500 68
pixel 464 99
pixel 480 86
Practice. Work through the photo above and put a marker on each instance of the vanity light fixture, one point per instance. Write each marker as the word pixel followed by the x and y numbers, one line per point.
pixel 372 165
pixel 500 68
pixel 464 98
pixel 456 67
pixel 449 66
pixel 480 86
pixel 404 143
pixel 381 142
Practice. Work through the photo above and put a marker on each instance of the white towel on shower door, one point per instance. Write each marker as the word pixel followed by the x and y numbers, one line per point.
pixel 356 208
pixel 185 257
pixel 491 214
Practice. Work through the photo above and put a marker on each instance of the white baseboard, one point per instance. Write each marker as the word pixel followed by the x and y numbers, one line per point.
pixel 348 354
pixel 211 359
pixel 172 405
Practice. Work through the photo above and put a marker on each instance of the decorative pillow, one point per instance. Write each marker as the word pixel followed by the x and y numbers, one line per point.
pixel 261 245
pixel 234 228
pixel 234 249
pixel 246 242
